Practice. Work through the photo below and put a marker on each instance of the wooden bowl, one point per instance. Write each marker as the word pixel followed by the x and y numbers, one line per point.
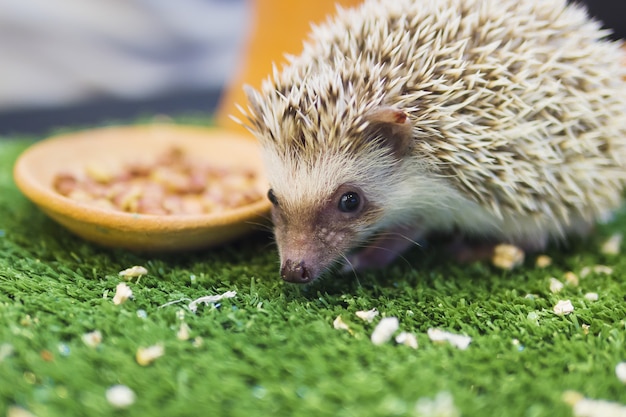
pixel 36 169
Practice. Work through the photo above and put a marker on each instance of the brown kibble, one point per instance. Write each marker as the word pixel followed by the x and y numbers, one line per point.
pixel 46 355
pixel 174 184
pixel 65 184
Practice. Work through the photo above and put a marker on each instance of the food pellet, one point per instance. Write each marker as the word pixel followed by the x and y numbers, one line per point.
pixel 174 184
pixel 507 256
pixel 122 293
pixel 385 330
pixel 368 315
pixel 146 356
pixel 120 396
pixel 563 307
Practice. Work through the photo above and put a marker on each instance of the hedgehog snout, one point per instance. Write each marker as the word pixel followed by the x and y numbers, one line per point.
pixel 296 272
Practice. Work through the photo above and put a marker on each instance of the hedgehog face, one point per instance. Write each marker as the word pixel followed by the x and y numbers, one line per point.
pixel 327 203
pixel 312 235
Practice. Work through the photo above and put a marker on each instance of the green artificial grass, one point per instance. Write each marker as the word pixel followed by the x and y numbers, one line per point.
pixel 272 350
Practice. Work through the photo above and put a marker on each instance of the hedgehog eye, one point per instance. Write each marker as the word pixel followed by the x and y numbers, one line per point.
pixel 349 202
pixel 272 197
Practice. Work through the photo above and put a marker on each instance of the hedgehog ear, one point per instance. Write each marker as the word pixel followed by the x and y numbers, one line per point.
pixel 392 126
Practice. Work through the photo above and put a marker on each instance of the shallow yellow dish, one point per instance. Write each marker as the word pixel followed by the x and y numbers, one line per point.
pixel 36 169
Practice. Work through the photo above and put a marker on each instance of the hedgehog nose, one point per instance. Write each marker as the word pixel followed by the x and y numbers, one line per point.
pixel 296 273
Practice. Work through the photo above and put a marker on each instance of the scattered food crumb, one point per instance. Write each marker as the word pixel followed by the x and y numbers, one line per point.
pixel 587 407
pixel 598 269
pixel 555 285
pixel 133 272
pixel 603 269
pixel 146 356
pixel 407 339
pixel 142 314
pixel 120 396
pixel 585 328
pixel 534 317
pixel 92 339
pixel 183 332
pixel 571 278
pixel 339 324
pixel 26 321
pixel 440 406
pixel 612 245
pixel 507 256
pixel 210 299
pixel 591 296
pixel 6 350
pixel 122 293
pixel 368 315
pixel 543 261
pixel 14 411
pixel 456 340
pixel 563 307
pixel 520 347
pixel 46 355
pixel 197 342
pixel 385 330
pixel 620 371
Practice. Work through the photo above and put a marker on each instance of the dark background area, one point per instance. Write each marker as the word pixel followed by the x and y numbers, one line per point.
pixel 41 121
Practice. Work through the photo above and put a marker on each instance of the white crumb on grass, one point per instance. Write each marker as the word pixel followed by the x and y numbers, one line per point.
pixel 133 272
pixel 122 293
pixel 92 339
pixel 183 332
pixel 206 300
pixel 339 324
pixel 555 285
pixel 612 246
pixel 563 307
pixel 620 371
pixel 603 269
pixel 507 256
pixel 210 299
pixel 591 296
pixel 145 356
pixel 368 315
pixel 456 340
pixel 587 407
pixel 407 339
pixel 440 406
pixel 385 330
pixel 6 350
pixel 120 396
pixel 598 269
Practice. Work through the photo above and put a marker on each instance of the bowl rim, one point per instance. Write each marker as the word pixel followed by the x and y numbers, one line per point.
pixel 48 199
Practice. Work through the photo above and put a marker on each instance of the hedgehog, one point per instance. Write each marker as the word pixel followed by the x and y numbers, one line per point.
pixel 491 121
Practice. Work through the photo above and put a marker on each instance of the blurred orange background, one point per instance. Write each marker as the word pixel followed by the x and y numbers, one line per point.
pixel 280 27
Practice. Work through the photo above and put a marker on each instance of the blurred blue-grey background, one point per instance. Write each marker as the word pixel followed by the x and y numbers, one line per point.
pixel 85 62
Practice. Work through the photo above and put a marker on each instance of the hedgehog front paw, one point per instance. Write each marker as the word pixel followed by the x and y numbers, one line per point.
pixel 383 250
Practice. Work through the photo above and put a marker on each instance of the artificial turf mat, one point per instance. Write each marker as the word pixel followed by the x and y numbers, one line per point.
pixel 272 350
